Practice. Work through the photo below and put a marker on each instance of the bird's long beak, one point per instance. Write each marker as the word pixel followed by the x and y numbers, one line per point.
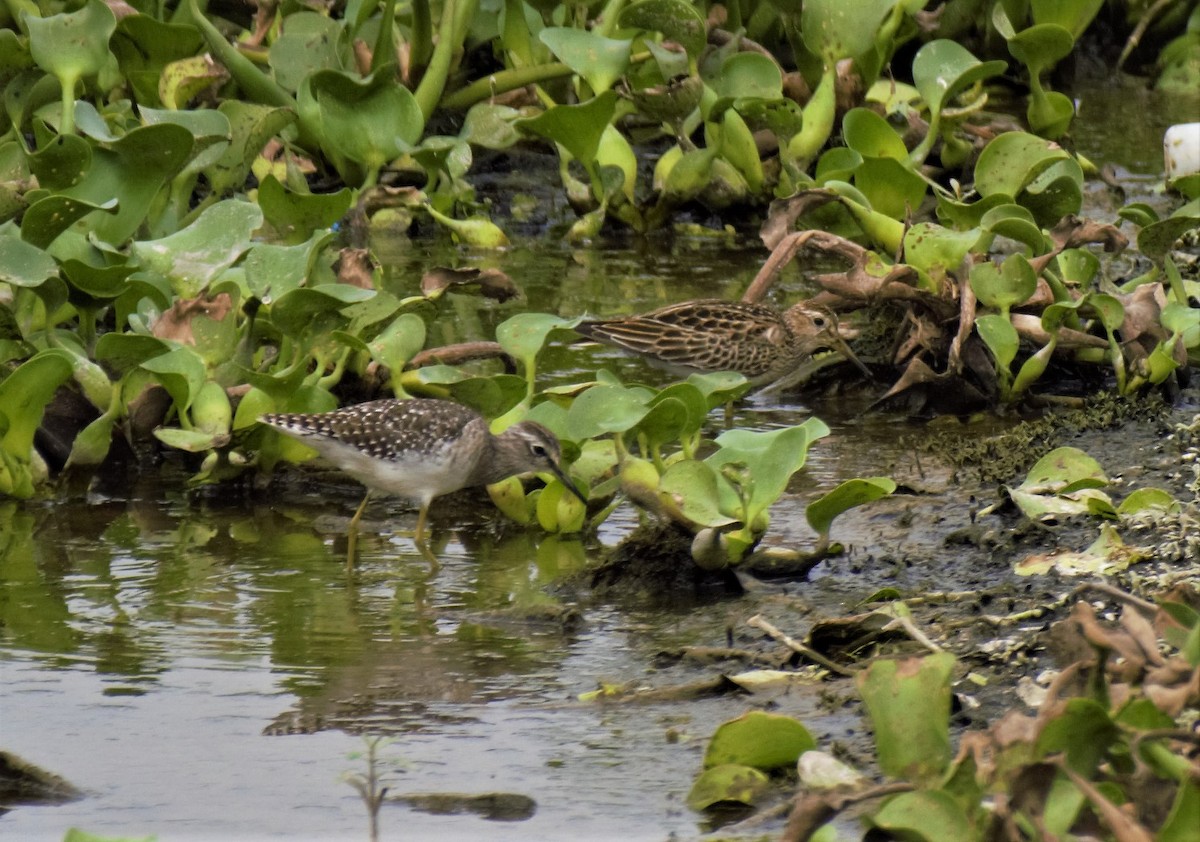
pixel 566 481
pixel 842 348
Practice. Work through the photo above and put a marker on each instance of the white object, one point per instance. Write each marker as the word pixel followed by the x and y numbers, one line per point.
pixel 1181 150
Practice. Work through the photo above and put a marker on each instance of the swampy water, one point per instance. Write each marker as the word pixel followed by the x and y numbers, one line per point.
pixel 202 665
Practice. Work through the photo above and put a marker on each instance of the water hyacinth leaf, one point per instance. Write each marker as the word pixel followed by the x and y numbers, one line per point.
pixel 909 705
pixel 86 32
pixel 307 311
pixel 577 128
pixel 853 492
pixel 368 121
pixel 926 816
pixel 490 396
pixel 1013 160
pixel 930 247
pixel 943 69
pixel 677 20
pixel 181 372
pixel 193 256
pixel 1157 239
pixel 728 783
pixel 836 29
pixel 1063 470
pixel 749 76
pixel 510 498
pixel 490 125
pixel 62 163
pixel 272 270
pixel 559 511
pixel 1001 338
pixel 92 444
pixel 599 60
pixel 250 126
pixel 1149 499
pixel 23 264
pixel 210 130
pixel 294 217
pixel 720 387
pixel 665 421
pixel 123 352
pixel 1002 288
pixel 399 343
pixel 871 136
pixel 604 409
pixel 133 170
pixel 765 741
pixel 770 459
pixel 1055 192
pixel 309 42
pixel 691 397
pixel 691 487
pixel 23 396
pixel 49 217
pixel 690 175
pixel 524 335
pixel 837 164
pixel 1007 219
pixel 183 80
pixel 890 187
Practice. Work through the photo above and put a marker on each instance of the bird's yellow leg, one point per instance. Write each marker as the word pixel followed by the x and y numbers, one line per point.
pixel 422 516
pixel 352 530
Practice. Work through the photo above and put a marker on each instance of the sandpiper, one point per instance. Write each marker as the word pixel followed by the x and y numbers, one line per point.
pixel 771 349
pixel 421 449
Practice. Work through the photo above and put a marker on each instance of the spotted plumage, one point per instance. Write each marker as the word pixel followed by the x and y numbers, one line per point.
pixel 704 335
pixel 422 449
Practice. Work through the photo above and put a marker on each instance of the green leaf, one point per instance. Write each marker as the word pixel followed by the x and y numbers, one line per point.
pixel 605 409
pixel 871 136
pixel 761 740
pixel 194 256
pixel 837 29
pixel 853 492
pixel 578 128
pixel 909 705
pixel 942 69
pixel 71 46
pixel 368 121
pixel 923 816
pixel 727 783
pixel 599 60
pixel 181 372
pixel 677 20
pixel 23 397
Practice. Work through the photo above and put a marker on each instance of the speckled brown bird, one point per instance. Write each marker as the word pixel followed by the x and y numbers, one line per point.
pixel 769 348
pixel 422 449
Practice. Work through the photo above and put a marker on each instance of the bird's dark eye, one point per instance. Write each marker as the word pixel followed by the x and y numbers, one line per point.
pixel 819 321
pixel 538 450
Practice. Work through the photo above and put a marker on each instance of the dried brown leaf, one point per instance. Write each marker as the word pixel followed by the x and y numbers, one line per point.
pixel 176 322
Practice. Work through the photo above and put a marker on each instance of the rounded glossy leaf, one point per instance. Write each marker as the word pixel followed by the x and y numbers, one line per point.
pixel 909 705
pixel 925 816
pixel 749 75
pixel 872 136
pixel 853 492
pixel 928 246
pixel 72 45
pixel 604 409
pixel 760 740
pixel 837 29
pixel 1012 283
pixel 677 20
pixel 523 335
pixel 891 188
pixel 181 372
pixel 942 69
pixel 193 256
pixel 1013 160
pixel 578 128
pixel 1063 470
pixel 1000 337
pixel 728 783
pixel 599 60
pixel 692 487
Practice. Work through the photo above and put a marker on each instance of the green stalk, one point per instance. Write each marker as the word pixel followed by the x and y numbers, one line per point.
pixel 818 120
pixel 433 83
pixel 257 85
pixel 504 81
pixel 422 33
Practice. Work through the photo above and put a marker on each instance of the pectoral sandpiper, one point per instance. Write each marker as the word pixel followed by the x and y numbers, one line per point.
pixel 422 449
pixel 771 349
